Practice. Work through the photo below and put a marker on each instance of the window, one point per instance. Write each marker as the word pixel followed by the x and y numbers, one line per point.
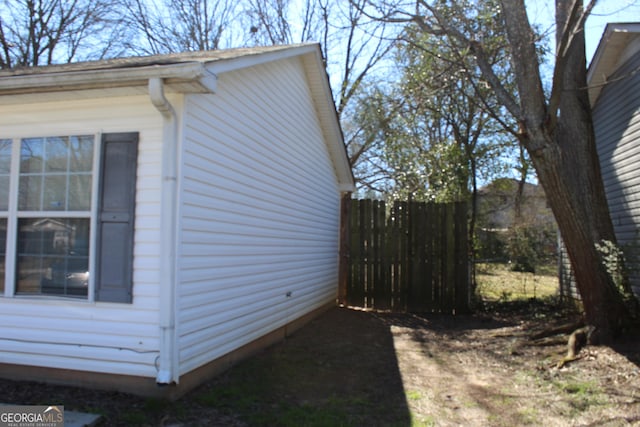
pixel 52 250
pixel 5 175
pixel 55 174
pixel 51 211
pixel 53 256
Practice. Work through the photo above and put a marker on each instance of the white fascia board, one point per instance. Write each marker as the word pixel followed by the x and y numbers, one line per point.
pixel 612 43
pixel 108 78
pixel 331 124
pixel 228 65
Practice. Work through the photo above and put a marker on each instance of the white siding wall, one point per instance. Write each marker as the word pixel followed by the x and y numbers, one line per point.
pixel 617 125
pixel 259 212
pixel 72 334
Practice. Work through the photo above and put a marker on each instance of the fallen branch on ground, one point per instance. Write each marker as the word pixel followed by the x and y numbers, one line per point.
pixel 558 330
pixel 577 340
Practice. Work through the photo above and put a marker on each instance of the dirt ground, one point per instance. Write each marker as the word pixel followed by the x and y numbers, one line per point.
pixel 486 370
pixel 357 368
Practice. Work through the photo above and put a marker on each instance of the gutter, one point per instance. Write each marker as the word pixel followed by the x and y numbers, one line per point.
pixel 168 359
pixel 189 72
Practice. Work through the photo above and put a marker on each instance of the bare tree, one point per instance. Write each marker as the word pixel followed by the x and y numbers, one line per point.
pixel 366 45
pixel 43 32
pixel 272 22
pixel 557 132
pixel 353 47
pixel 269 21
pixel 165 26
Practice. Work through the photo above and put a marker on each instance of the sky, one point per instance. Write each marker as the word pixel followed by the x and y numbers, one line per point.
pixel 542 12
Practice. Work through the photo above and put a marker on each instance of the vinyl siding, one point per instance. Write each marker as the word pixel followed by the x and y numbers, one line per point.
pixel 259 212
pixel 617 125
pixel 80 335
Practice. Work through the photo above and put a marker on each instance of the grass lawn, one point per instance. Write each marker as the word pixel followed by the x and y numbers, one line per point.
pixel 496 282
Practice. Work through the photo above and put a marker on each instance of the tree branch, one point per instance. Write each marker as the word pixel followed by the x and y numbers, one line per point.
pixel 571 22
pixel 444 29
pixel 526 67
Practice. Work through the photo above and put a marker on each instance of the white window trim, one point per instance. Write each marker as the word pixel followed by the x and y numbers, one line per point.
pixel 12 215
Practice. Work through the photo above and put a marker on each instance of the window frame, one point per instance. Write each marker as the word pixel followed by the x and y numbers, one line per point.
pixel 13 214
pixel 4 215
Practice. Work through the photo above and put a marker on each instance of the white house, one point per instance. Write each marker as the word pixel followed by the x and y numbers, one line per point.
pixel 614 93
pixel 161 217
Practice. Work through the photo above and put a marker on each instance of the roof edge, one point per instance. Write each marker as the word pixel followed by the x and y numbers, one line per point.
pixel 200 71
pixel 245 61
pixel 330 123
pixel 104 78
pixel 134 71
pixel 605 59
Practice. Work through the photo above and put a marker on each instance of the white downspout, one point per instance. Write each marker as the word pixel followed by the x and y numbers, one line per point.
pixel 168 359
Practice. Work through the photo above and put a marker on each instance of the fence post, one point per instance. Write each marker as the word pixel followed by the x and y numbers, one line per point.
pixel 345 247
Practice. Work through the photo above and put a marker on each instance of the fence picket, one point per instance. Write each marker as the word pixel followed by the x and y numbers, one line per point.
pixel 355 280
pixel 463 278
pixel 414 259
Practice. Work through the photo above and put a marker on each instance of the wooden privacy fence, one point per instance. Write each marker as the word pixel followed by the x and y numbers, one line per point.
pixel 412 257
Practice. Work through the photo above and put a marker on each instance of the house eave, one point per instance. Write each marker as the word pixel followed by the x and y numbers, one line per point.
pixel 321 93
pixel 613 42
pixel 328 116
pixel 197 74
pixel 186 77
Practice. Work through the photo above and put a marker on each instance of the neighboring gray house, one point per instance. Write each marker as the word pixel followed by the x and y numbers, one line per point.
pixel 161 217
pixel 614 92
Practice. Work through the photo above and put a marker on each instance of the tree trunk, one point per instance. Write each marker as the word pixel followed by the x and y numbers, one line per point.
pixel 561 144
pixel 472 221
pixel 603 304
pixel 519 197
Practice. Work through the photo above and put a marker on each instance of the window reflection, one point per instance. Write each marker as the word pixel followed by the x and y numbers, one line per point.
pixel 57 155
pixel 5 170
pixel 53 256
pixel 31 155
pixel 30 193
pixel 54 193
pixel 81 153
pixel 55 174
